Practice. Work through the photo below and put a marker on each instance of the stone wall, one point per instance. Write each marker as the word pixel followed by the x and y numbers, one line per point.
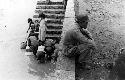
pixel 63 63
pixel 69 20
pixel 106 24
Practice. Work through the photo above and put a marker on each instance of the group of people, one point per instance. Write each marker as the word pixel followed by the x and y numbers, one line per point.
pixel 42 48
pixel 78 43
pixel 47 51
pixel 37 27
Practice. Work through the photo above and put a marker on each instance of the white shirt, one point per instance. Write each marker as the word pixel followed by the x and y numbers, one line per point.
pixel 41 48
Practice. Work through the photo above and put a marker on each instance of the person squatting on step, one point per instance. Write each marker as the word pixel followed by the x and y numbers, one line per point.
pixel 49 48
pixel 118 71
pixel 42 28
pixel 78 42
pixel 41 54
pixel 33 43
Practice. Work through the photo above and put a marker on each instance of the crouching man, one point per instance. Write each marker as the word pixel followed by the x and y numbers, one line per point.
pixel 49 48
pixel 78 42
pixel 33 43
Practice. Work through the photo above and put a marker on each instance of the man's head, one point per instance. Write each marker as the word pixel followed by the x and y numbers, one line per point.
pixel 82 20
pixel 42 16
pixel 29 20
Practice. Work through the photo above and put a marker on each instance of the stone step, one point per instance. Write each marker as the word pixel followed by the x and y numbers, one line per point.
pixel 50 7
pixel 50 19
pixel 54 27
pixel 51 3
pixel 55 16
pixel 55 21
pixel 52 36
pixel 52 24
pixel 51 11
pixel 52 32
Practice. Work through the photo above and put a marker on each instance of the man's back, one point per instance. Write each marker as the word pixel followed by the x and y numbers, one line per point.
pixel 75 37
pixel 34 41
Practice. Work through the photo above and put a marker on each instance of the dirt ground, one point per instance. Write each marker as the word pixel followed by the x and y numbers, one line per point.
pixel 107 27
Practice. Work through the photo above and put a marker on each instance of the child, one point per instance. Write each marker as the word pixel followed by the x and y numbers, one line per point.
pixel 49 48
pixel 41 53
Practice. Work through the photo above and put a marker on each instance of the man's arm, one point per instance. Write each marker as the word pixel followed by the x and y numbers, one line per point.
pixel 86 33
pixel 84 40
pixel 89 34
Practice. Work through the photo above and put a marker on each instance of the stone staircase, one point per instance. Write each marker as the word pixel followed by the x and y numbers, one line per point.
pixel 55 13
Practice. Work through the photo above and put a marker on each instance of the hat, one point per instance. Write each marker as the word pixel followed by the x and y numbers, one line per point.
pixel 82 18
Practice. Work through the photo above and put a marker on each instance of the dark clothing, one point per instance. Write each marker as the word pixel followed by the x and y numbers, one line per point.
pixel 37 27
pixel 31 26
pixel 75 37
pixel 77 44
pixel 34 34
pixel 34 49
pixel 33 43
pixel 40 55
pixel 49 51
pixel 49 48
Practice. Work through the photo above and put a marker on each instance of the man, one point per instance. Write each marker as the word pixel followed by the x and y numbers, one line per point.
pixel 33 43
pixel 78 42
pixel 49 48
